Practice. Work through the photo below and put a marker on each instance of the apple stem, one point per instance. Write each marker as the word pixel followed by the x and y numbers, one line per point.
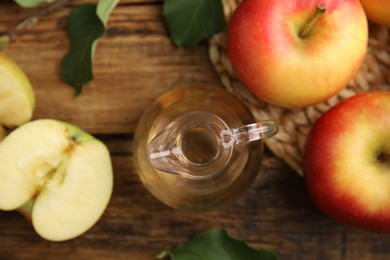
pixel 383 158
pixel 29 22
pixel 309 25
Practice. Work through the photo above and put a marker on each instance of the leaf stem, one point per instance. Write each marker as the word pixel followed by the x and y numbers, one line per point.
pixel 29 22
pixel 310 24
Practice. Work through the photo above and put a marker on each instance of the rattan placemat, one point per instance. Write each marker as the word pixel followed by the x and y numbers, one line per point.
pixel 294 125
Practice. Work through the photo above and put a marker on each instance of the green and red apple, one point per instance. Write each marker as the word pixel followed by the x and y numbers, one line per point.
pixel 296 53
pixel 377 11
pixel 16 95
pixel 59 177
pixel 346 162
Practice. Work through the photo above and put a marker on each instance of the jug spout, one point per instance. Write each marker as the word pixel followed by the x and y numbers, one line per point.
pixel 198 144
pixel 163 153
pixel 195 148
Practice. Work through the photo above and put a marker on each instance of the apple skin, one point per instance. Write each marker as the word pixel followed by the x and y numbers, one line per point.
pixel 284 69
pixel 377 11
pixel 346 162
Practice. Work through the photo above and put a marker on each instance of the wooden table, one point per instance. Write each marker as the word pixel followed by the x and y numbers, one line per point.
pixel 134 63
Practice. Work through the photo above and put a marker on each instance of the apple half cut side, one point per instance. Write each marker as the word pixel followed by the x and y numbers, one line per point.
pixel 59 176
pixel 17 99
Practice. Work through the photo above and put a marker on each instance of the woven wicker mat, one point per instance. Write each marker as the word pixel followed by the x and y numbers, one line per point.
pixel 294 125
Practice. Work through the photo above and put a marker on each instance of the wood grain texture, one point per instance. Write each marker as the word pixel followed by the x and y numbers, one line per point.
pixel 136 62
pixel 276 213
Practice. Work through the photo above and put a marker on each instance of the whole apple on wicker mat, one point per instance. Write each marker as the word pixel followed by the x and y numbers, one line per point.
pixel 57 175
pixel 16 95
pixel 346 163
pixel 295 53
pixel 377 11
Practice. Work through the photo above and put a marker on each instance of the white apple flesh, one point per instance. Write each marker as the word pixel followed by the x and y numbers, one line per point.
pixel 16 95
pixel 59 173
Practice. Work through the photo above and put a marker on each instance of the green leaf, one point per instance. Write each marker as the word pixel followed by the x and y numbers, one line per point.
pixel 84 28
pixel 32 3
pixel 190 21
pixel 104 9
pixel 86 25
pixel 217 244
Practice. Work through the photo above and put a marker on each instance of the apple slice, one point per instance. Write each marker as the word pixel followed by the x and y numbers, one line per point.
pixel 60 177
pixel 16 95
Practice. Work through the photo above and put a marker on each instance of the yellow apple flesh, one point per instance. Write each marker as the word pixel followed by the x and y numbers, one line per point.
pixel 16 95
pixel 60 176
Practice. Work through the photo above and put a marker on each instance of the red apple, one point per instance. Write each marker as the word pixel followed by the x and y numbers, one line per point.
pixel 377 11
pixel 346 162
pixel 295 53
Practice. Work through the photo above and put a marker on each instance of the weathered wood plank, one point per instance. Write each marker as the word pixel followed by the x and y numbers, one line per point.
pixel 276 213
pixel 134 63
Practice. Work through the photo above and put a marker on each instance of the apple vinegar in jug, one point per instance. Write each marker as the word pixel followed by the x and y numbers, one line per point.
pixel 184 157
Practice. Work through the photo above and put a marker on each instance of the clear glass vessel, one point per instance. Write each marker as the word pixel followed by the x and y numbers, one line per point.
pixel 198 148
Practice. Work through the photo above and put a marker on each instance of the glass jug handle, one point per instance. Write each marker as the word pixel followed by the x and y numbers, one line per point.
pixel 165 151
pixel 249 133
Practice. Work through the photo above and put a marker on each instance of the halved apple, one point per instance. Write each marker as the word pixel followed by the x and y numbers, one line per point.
pixel 16 95
pixel 58 175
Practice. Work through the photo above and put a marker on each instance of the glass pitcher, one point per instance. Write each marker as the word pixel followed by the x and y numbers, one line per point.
pixel 199 148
